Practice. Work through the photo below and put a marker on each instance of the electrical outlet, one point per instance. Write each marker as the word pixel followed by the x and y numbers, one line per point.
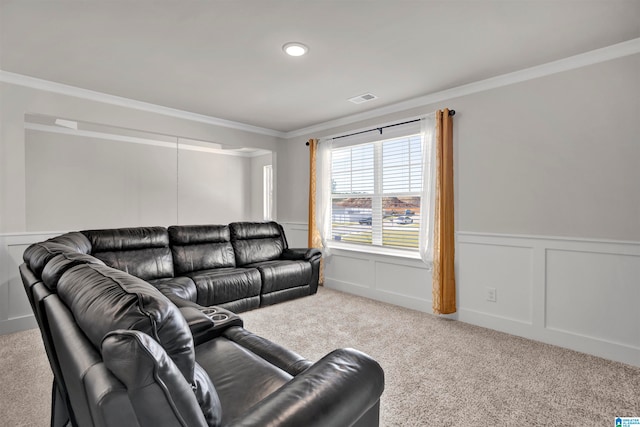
pixel 492 294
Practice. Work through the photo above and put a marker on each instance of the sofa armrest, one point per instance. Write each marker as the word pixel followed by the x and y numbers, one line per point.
pixel 283 358
pixel 306 254
pixel 337 390
pixel 197 320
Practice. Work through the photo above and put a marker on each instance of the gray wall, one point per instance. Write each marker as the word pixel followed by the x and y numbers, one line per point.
pixel 75 182
pixel 213 188
pixel 555 156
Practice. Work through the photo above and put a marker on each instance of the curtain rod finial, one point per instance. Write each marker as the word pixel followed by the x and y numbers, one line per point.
pixel 307 143
pixel 452 112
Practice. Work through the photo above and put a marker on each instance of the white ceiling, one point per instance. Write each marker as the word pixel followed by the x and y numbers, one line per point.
pixel 223 58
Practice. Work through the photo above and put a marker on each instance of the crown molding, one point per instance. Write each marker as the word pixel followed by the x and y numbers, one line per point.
pixel 608 53
pixel 49 86
pixel 604 54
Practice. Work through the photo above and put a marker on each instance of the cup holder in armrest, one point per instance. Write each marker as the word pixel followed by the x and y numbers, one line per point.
pixel 218 317
pixel 209 311
pixel 215 314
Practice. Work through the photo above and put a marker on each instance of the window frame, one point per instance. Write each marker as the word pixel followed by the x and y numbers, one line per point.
pixel 377 195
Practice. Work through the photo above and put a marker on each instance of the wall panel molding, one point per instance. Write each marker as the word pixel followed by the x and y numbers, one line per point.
pixel 584 292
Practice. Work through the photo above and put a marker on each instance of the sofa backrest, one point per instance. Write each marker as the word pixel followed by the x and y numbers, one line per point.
pixel 200 247
pixel 140 251
pixel 103 299
pixel 257 241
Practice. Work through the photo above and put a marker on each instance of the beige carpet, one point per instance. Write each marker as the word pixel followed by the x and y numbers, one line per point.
pixel 438 372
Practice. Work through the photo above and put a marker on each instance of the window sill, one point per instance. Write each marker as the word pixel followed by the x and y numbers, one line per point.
pixel 377 250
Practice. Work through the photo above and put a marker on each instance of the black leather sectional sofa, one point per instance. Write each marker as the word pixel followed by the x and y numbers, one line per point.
pixel 126 352
pixel 240 266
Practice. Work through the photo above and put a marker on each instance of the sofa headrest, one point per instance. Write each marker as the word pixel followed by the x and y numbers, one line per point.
pixel 77 241
pixel 59 264
pixel 194 234
pixel 158 391
pixel 103 299
pixel 37 255
pixel 256 241
pixel 122 239
pixel 142 251
pixel 254 230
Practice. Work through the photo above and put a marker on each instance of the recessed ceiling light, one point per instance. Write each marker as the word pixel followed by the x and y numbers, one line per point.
pixel 295 49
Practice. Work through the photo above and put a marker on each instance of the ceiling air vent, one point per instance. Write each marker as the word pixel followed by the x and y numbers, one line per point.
pixel 363 98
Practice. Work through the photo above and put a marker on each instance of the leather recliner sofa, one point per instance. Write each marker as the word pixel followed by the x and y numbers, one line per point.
pixel 123 354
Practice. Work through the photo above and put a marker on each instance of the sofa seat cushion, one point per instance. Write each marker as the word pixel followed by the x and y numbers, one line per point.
pixel 221 285
pixel 279 275
pixel 240 377
pixel 141 251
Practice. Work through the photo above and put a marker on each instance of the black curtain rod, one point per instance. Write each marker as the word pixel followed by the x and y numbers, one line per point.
pixel 379 129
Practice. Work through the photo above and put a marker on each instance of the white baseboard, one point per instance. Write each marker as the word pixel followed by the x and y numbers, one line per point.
pixel 584 344
pixel 9 326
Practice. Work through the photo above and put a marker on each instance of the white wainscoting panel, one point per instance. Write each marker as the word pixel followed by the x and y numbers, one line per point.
pixel 402 279
pixel 593 294
pixel 15 310
pixel 395 280
pixel 352 270
pixel 581 294
pixel 505 268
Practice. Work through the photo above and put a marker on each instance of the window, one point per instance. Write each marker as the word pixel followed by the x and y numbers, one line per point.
pixel 375 192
